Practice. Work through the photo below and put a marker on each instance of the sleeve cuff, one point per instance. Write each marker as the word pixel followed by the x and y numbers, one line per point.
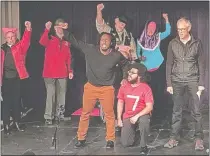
pixel 46 30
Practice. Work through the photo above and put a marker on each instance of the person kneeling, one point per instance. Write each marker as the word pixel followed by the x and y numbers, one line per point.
pixel 138 99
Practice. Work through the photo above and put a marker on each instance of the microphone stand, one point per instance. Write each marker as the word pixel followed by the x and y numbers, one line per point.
pixel 54 138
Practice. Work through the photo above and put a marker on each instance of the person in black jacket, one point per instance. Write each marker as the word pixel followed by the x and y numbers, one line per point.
pixel 185 68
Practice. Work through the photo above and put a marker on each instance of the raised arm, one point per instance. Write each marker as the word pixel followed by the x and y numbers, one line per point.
pixel 44 40
pixel 167 32
pixel 26 39
pixel 74 42
pixel 101 26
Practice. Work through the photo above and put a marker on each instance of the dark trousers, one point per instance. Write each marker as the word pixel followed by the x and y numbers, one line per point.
pixel 157 84
pixel 128 132
pixel 26 98
pixel 11 99
pixel 178 98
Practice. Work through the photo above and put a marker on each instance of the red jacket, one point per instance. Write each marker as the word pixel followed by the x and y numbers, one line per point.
pixel 57 63
pixel 19 51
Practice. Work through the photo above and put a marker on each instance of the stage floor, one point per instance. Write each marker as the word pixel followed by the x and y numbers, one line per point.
pixel 38 139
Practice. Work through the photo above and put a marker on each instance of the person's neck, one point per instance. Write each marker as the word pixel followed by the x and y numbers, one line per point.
pixel 105 52
pixel 10 45
pixel 186 39
pixel 60 36
pixel 135 84
pixel 120 32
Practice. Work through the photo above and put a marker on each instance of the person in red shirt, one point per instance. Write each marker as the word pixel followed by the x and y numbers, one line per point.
pixel 13 70
pixel 57 67
pixel 137 97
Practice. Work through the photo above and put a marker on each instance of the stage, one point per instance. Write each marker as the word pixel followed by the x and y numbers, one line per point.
pixel 38 138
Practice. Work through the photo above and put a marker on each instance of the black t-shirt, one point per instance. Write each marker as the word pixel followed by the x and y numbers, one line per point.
pixel 100 68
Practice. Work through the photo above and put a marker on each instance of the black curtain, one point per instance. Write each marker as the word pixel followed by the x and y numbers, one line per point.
pixel 81 19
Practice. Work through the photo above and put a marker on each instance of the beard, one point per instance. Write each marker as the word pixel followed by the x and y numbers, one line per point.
pixel 104 48
pixel 132 81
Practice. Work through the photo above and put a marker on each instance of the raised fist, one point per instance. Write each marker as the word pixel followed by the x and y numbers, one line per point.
pixel 65 25
pixel 100 7
pixel 165 16
pixel 48 25
pixel 28 24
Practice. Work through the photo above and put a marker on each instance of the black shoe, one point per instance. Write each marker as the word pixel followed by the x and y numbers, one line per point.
pixel 144 150
pixel 80 143
pixel 117 129
pixel 7 130
pixel 17 126
pixel 48 122
pixel 110 144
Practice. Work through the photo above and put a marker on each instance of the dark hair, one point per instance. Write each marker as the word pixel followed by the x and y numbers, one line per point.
pixel 123 18
pixel 113 41
pixel 142 71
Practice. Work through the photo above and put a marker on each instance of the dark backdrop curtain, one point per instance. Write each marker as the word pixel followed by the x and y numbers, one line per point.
pixel 81 18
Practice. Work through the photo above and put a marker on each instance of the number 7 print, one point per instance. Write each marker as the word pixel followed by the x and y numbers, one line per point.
pixel 136 100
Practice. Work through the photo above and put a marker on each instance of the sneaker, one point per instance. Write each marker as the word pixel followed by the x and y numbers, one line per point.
pixel 80 143
pixel 199 145
pixel 110 144
pixel 48 121
pixel 144 150
pixel 171 143
pixel 117 129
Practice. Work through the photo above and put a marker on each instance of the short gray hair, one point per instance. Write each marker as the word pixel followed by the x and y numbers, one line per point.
pixel 186 20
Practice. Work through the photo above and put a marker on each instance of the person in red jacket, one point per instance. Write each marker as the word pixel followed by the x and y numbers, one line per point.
pixel 13 69
pixel 57 67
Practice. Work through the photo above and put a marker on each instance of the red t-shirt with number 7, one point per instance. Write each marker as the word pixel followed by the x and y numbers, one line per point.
pixel 135 98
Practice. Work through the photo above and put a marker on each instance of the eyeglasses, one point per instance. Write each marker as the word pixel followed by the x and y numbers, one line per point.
pixel 131 73
pixel 182 29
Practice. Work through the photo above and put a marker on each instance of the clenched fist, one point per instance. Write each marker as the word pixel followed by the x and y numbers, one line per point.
pixel 62 25
pixel 28 25
pixel 65 25
pixel 165 16
pixel 100 7
pixel 48 25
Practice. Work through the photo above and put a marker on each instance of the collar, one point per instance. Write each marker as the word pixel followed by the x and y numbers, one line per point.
pixel 185 41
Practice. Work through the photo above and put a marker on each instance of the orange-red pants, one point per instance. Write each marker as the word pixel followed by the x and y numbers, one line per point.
pixel 105 94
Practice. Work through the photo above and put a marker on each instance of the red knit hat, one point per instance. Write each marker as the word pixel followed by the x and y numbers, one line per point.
pixel 6 30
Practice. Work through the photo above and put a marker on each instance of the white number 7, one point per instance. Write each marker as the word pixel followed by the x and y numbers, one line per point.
pixel 136 102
